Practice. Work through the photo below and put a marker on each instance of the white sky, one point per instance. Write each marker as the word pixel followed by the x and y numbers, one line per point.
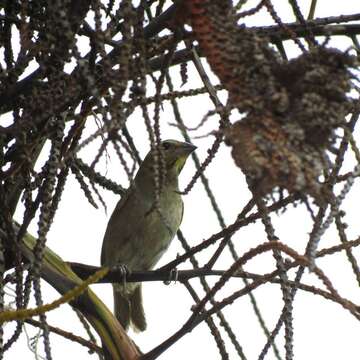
pixel 322 329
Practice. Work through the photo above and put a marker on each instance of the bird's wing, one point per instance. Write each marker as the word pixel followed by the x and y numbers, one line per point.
pixel 182 212
pixel 118 225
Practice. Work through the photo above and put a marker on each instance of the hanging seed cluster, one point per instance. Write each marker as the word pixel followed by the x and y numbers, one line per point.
pixel 317 84
pixel 262 149
pixel 293 108
pixel 242 60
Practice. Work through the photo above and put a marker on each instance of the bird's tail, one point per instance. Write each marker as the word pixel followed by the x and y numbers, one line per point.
pixel 128 307
pixel 137 309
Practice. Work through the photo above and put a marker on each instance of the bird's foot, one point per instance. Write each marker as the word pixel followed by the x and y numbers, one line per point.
pixel 173 276
pixel 123 272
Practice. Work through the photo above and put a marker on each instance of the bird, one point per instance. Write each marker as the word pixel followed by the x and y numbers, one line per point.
pixel 142 226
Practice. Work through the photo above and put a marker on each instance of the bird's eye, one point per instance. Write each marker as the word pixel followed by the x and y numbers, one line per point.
pixel 166 145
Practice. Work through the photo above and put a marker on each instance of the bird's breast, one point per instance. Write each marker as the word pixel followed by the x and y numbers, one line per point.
pixel 153 233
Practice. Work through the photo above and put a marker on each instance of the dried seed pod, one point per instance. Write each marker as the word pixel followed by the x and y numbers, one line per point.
pixel 269 159
pixel 317 84
pixel 242 60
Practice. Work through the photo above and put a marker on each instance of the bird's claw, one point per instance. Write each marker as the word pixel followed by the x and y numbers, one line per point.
pixel 124 272
pixel 173 276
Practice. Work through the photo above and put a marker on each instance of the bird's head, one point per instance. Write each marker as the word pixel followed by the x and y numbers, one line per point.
pixel 175 154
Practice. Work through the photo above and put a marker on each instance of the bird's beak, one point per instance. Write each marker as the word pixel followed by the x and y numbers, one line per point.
pixel 187 148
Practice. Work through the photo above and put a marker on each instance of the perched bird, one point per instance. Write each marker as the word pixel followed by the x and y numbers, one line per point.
pixel 139 232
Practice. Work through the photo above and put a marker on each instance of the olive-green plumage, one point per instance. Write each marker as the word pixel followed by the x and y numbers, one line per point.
pixel 137 235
